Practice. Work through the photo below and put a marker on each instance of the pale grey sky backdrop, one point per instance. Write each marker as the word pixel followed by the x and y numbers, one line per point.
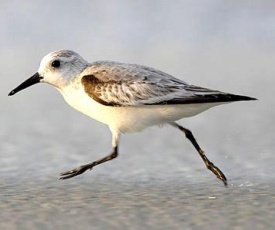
pixel 226 45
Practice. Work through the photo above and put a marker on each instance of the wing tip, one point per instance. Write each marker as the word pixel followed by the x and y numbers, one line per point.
pixel 213 98
pixel 234 97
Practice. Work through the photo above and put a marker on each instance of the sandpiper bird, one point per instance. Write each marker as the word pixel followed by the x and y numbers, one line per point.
pixel 126 97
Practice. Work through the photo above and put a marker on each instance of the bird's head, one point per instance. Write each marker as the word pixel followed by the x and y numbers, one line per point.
pixel 58 68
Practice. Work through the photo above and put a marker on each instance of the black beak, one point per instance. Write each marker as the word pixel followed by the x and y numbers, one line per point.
pixel 36 78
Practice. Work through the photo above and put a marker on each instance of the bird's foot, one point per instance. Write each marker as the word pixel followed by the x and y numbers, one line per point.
pixel 75 172
pixel 217 172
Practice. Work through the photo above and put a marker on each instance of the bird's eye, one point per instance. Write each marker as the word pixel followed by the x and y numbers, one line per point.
pixel 56 63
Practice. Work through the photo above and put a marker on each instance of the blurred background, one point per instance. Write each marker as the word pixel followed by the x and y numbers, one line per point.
pixel 159 180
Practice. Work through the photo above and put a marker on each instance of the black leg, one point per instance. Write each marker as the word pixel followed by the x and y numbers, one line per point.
pixel 83 168
pixel 207 162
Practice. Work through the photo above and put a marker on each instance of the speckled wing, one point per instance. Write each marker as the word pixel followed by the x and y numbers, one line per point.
pixel 119 84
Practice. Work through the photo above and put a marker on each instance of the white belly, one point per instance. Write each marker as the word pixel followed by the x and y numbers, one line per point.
pixel 131 118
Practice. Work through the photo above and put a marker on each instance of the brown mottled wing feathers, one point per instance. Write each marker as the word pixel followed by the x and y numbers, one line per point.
pixel 95 88
pixel 118 84
pixel 121 93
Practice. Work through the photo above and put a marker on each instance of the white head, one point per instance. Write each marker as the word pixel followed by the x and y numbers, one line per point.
pixel 58 68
